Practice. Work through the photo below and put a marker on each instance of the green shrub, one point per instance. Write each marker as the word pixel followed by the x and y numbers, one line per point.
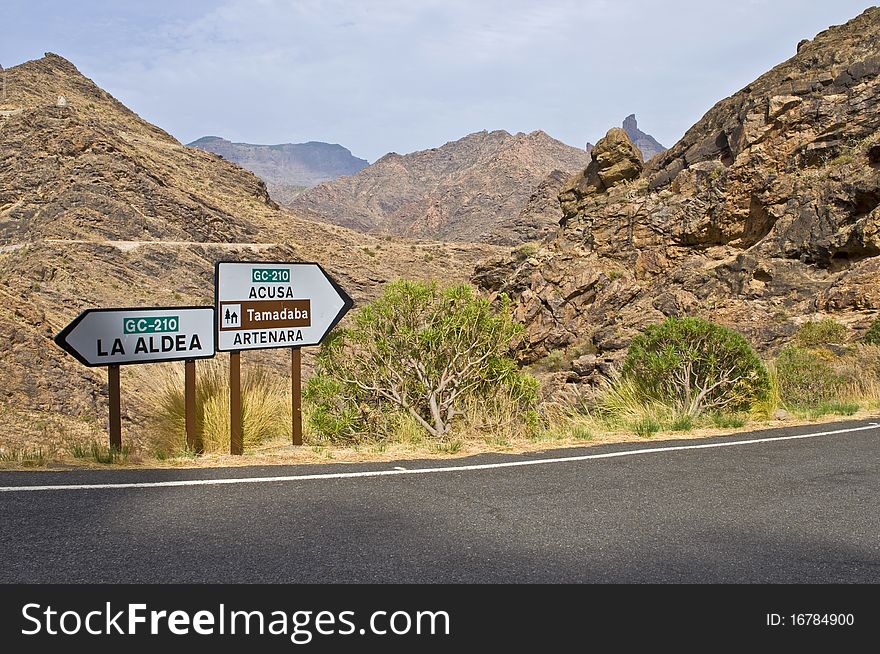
pixel 844 408
pixel 106 454
pixel 872 336
pixel 450 447
pixel 682 423
pixel 526 250
pixel 695 366
pixel 553 362
pixel 424 350
pixel 821 332
pixel 834 407
pixel 727 421
pixel 805 378
pixel 581 432
pixel 646 427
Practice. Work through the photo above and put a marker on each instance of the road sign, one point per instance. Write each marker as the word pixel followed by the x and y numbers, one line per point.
pixel 268 305
pixel 109 337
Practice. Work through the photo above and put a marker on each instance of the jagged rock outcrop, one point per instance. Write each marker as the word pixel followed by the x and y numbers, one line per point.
pixel 647 144
pixel 764 213
pixel 614 159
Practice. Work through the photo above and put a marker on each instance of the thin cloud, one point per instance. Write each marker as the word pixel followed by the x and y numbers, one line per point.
pixel 393 75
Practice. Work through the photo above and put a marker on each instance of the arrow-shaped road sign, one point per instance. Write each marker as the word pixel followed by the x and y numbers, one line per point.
pixel 105 337
pixel 267 304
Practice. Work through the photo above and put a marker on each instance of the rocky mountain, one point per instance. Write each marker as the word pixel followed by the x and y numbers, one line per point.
pixel 764 214
pixel 288 168
pixel 99 208
pixel 647 144
pixel 471 190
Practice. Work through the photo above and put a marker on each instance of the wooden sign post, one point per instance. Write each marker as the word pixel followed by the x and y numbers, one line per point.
pixel 296 428
pixel 194 442
pixel 262 305
pixel 115 406
pixel 236 444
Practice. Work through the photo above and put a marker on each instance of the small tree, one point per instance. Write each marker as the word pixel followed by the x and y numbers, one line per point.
pixel 419 349
pixel 696 365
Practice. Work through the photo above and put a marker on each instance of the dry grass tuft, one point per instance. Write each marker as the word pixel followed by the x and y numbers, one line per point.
pixel 265 406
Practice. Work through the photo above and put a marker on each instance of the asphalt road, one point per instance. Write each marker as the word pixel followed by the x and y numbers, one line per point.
pixel 784 510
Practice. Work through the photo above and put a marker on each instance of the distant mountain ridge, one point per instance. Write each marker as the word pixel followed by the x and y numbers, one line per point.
pixel 287 168
pixel 474 189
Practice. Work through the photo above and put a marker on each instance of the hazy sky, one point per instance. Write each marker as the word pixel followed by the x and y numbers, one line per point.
pixel 405 75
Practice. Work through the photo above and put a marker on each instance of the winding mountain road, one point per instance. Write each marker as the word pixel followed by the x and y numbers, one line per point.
pixel 797 504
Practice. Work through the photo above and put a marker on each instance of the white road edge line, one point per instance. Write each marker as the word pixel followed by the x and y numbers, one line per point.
pixel 423 471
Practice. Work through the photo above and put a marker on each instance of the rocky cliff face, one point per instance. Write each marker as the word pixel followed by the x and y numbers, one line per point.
pixel 93 168
pixel 289 168
pixel 473 189
pixel 538 218
pixel 647 144
pixel 765 213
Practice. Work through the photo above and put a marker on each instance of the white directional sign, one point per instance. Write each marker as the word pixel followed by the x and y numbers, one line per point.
pixel 266 305
pixel 103 337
